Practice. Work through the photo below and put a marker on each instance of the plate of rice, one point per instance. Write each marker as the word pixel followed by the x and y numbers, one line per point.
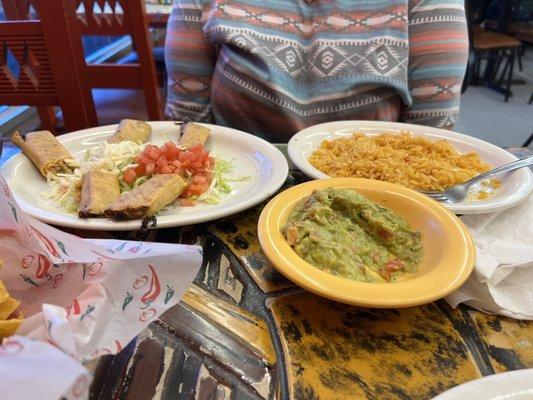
pixel 414 156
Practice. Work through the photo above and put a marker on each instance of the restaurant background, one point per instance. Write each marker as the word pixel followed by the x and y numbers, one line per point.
pixel 484 113
pixel 245 331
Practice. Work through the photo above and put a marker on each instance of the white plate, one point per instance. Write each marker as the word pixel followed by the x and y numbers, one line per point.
pixel 514 385
pixel 252 156
pixel 516 186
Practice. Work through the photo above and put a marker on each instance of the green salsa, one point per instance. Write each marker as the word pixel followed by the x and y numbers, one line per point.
pixel 342 232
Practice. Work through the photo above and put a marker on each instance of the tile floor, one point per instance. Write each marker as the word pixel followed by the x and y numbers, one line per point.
pixel 485 115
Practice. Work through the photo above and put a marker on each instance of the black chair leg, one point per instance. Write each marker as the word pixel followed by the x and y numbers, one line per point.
pixel 489 67
pixel 528 141
pixel 531 98
pixel 477 68
pixel 519 55
pixel 474 79
pixel 509 93
pixel 500 57
pixel 505 67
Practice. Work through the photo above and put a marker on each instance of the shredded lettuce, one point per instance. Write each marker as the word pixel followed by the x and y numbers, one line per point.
pixel 220 184
pixel 125 187
pixel 117 157
pixel 114 157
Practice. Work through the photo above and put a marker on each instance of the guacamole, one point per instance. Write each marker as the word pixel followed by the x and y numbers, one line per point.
pixel 342 232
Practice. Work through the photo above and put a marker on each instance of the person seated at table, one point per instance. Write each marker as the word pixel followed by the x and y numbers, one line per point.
pixel 273 68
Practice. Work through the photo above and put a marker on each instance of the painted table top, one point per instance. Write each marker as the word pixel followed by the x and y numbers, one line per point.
pixel 243 331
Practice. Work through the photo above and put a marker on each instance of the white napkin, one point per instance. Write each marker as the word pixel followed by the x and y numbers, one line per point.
pixel 86 297
pixel 32 369
pixel 502 281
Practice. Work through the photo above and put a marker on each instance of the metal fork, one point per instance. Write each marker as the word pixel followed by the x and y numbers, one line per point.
pixel 457 193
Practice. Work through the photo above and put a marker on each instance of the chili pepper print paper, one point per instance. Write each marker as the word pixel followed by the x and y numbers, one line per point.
pixel 67 380
pixel 87 297
pixel 118 293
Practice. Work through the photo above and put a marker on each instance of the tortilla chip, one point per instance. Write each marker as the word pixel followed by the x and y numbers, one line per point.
pixel 4 295
pixel 8 307
pixel 8 327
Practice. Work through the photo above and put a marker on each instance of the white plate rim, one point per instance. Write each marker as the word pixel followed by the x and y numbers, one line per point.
pixel 495 385
pixel 277 179
pixel 294 150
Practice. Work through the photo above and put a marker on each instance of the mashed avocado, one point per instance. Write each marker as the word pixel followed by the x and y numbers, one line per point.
pixel 342 232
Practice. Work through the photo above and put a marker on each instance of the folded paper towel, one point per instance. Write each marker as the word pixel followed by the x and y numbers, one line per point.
pixel 502 281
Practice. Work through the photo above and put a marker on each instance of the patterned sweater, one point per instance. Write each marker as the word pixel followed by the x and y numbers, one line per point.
pixel 273 67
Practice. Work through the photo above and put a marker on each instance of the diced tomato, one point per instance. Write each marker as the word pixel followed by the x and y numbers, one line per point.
pixel 197 148
pixel 152 152
pixel 199 178
pixel 144 160
pixel 187 202
pixel 161 161
pixel 193 164
pixel 391 267
pixel 171 151
pixel 195 189
pixel 197 164
pixel 147 148
pixel 129 176
pixel 166 170
pixel 140 169
pixel 186 158
pixel 150 168
pixel 176 164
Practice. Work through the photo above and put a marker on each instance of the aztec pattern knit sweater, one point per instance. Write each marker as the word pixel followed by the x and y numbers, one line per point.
pixel 273 67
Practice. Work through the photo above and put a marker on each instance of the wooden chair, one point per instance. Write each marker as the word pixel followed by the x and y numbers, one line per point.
pixel 523 31
pixel 48 72
pixel 111 18
pixel 131 21
pixel 500 49
pixel 490 42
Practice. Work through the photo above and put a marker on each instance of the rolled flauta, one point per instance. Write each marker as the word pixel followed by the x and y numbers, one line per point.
pixel 46 152
pixel 147 199
pixel 132 130
pixel 99 190
pixel 192 135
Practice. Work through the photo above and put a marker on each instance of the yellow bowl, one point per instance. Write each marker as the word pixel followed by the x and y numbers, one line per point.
pixel 448 257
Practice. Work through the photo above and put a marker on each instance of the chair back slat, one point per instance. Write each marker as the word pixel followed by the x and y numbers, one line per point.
pixel 107 18
pixel 24 42
pixel 20 9
pixel 105 75
pixel 42 65
pixel 122 17
pixel 103 17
